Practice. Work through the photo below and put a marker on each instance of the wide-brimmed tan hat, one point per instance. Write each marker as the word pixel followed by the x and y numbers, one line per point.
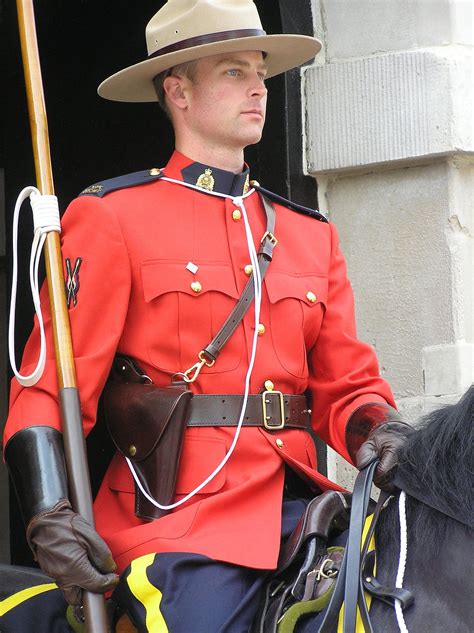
pixel 185 30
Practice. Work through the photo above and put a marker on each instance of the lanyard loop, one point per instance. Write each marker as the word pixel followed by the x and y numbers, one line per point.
pixel 45 218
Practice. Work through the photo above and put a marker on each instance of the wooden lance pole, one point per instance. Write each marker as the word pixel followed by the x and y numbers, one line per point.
pixel 74 443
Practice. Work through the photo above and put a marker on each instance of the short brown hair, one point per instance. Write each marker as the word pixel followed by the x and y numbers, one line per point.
pixel 187 69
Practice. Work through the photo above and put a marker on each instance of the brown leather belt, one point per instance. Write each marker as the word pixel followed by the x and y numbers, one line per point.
pixel 271 410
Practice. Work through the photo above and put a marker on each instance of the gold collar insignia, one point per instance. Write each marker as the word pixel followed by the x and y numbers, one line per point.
pixel 93 189
pixel 206 180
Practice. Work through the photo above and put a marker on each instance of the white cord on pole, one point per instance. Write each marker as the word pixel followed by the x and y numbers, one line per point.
pixel 45 219
pixel 402 560
pixel 257 279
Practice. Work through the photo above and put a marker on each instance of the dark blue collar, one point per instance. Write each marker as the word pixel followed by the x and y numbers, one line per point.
pixel 218 180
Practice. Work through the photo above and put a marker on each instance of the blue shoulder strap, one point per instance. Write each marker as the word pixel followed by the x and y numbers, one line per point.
pixel 299 208
pixel 144 177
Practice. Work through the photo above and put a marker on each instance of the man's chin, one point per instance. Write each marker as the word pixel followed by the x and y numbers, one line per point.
pixel 252 139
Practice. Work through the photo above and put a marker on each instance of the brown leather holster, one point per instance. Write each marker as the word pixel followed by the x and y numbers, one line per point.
pixel 146 424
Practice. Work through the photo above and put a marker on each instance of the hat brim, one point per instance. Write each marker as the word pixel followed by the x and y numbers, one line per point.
pixel 282 52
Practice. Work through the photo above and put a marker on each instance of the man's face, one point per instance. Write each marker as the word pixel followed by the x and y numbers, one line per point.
pixel 227 100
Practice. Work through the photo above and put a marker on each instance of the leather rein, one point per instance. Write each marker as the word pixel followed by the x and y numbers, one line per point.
pixel 356 573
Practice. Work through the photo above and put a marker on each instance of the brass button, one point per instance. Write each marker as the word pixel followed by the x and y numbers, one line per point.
pixel 311 297
pixel 279 443
pixel 261 329
pixel 196 286
pixel 255 183
pixel 155 171
pixel 132 450
pixel 269 386
pixel 248 270
pixel 236 215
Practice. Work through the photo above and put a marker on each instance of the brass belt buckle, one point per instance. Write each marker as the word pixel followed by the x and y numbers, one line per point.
pixel 266 400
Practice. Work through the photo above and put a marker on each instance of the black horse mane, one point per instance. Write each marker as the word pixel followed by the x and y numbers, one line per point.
pixel 438 461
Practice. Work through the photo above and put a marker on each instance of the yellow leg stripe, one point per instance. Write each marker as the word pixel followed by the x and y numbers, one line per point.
pixel 147 594
pixel 368 597
pixel 17 598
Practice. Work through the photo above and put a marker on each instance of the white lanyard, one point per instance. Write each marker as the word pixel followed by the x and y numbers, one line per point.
pixel 45 218
pixel 239 202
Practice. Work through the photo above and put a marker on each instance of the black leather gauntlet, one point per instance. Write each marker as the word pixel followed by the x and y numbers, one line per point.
pixel 377 431
pixel 65 545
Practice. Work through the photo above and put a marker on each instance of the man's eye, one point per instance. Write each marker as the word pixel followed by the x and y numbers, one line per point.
pixel 233 72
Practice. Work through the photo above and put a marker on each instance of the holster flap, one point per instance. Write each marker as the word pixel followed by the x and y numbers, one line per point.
pixel 138 415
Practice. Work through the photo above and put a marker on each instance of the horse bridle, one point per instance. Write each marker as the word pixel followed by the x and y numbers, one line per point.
pixel 356 572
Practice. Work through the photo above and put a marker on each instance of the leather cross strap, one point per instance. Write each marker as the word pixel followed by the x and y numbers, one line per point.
pixel 280 411
pixel 265 253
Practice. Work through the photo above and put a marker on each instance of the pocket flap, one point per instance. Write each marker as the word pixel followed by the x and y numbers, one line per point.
pixel 160 277
pixel 310 289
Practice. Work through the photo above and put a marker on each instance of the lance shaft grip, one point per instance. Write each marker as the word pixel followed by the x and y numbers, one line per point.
pixel 80 492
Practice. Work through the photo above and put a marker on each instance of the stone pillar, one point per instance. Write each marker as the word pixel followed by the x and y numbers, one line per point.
pixel 389 133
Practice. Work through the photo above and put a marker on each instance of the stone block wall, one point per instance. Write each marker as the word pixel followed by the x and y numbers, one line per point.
pixel 389 137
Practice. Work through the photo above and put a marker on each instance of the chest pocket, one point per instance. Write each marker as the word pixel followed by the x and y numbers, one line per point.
pixel 185 311
pixel 297 303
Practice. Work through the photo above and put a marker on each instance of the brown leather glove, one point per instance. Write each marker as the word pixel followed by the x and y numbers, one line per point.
pixel 384 443
pixel 69 550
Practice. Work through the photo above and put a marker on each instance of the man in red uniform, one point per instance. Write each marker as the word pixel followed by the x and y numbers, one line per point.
pixel 162 257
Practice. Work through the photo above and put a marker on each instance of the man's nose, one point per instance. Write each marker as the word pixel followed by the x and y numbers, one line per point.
pixel 258 88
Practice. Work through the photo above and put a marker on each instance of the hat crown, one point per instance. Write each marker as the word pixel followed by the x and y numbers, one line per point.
pixel 180 20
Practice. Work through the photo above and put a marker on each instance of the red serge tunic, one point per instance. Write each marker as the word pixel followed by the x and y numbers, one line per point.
pixel 135 297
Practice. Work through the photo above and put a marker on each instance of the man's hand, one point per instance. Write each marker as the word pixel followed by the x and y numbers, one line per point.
pixel 69 550
pixel 384 443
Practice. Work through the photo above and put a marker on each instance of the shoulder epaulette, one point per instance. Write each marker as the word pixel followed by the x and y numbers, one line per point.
pixel 299 208
pixel 100 189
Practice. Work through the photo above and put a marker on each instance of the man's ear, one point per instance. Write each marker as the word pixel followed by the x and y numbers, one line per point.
pixel 175 91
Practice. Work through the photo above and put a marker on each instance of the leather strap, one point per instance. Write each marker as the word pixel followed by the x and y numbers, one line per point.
pixel 360 504
pixel 280 411
pixel 265 254
pixel 347 584
pixel 224 410
pixel 365 554
pixel 208 38
pixel 387 594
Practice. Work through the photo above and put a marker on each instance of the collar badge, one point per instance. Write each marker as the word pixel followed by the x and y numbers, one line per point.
pixel 206 180
pixel 93 189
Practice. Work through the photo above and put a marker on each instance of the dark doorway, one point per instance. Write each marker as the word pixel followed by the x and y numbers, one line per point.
pixel 80 44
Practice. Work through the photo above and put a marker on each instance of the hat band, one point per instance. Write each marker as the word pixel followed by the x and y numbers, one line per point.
pixel 209 38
